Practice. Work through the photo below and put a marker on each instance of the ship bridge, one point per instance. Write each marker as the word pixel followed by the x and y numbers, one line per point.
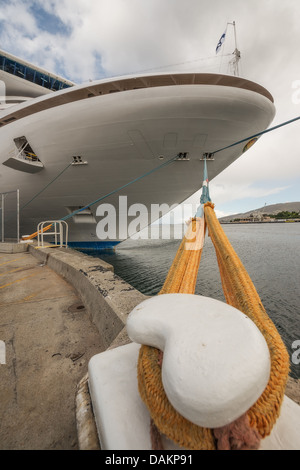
pixel 22 80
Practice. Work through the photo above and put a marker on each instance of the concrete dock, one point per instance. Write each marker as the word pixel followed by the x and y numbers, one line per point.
pixel 58 308
pixel 50 333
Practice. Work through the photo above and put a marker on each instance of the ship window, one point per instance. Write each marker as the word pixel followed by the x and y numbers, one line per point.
pixel 54 85
pixel 10 66
pixel 20 70
pixel 39 79
pixel 30 74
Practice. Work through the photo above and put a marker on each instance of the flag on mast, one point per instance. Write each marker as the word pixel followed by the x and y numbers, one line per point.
pixel 221 41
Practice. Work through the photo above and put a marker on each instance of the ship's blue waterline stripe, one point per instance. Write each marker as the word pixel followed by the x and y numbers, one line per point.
pixel 94 246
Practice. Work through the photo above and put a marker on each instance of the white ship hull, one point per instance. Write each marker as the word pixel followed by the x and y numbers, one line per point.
pixel 121 136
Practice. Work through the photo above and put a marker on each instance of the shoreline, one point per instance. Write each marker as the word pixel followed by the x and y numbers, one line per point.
pixel 261 222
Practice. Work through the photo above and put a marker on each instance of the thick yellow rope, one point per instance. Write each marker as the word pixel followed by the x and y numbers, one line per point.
pixel 239 292
pixel 181 278
pixel 182 275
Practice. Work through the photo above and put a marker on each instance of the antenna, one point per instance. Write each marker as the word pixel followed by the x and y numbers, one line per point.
pixel 237 55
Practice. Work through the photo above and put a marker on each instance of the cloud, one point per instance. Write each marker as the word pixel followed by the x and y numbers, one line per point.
pixel 132 35
pixel 15 16
pixel 128 35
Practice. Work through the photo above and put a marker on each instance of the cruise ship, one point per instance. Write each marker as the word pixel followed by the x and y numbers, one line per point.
pixel 65 146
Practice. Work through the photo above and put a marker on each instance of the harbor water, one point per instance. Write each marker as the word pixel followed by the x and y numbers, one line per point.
pixel 269 252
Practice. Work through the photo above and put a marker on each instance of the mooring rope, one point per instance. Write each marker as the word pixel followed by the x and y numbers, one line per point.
pixel 173 159
pixel 100 198
pixel 239 291
pixel 47 186
pixel 121 187
pixel 167 163
pixel 256 135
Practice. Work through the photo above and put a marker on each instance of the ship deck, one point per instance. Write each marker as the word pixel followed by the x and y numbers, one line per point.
pixel 104 87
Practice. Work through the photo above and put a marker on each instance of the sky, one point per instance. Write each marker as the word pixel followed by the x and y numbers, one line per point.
pixel 84 40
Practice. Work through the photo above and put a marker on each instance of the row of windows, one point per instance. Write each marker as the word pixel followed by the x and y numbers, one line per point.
pixel 32 75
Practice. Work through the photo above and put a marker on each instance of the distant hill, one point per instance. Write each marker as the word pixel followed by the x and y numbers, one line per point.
pixel 271 209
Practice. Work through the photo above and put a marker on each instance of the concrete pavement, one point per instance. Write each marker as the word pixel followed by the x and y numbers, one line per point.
pixel 49 339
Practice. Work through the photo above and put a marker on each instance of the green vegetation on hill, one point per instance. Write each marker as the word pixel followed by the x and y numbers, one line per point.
pixel 285 215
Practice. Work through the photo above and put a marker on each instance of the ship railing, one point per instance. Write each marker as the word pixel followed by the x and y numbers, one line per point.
pixel 60 232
